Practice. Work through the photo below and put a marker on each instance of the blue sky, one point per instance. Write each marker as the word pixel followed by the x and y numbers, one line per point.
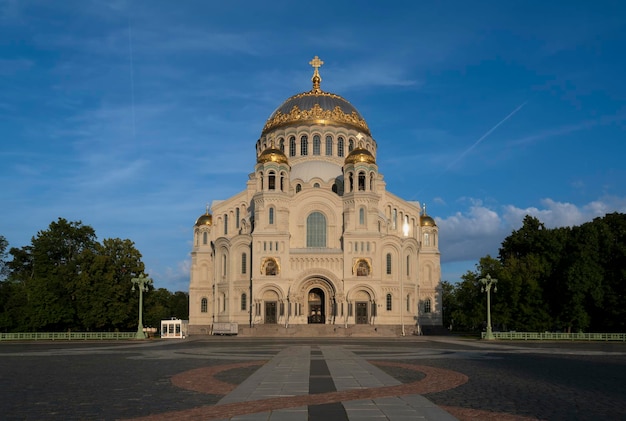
pixel 130 116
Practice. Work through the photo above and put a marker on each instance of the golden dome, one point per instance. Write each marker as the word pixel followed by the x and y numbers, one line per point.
pixel 427 221
pixel 206 219
pixel 316 107
pixel 272 154
pixel 360 154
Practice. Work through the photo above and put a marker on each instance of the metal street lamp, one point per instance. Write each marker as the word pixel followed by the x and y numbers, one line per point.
pixel 488 282
pixel 142 283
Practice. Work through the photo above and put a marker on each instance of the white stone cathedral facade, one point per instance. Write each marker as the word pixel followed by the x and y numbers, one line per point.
pixel 315 237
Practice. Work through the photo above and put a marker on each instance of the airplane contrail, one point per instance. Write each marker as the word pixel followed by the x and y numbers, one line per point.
pixel 468 150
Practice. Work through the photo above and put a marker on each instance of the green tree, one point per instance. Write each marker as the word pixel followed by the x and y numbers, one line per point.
pixel 179 305
pixel 50 269
pixel 610 316
pixel 450 304
pixel 12 297
pixel 4 269
pixel 103 293
pixel 157 307
pixel 528 311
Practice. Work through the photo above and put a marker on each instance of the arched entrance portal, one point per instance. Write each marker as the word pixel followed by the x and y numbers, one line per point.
pixel 317 308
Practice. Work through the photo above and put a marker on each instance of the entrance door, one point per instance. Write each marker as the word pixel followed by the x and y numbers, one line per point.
pixel 270 312
pixel 316 306
pixel 361 313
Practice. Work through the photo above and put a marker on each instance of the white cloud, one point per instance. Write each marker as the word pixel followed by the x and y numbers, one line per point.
pixel 478 231
pixel 470 235
pixel 173 279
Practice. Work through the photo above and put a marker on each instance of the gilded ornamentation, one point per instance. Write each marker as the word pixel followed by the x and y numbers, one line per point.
pixel 316 115
pixel 316 63
pixel 362 267
pixel 270 266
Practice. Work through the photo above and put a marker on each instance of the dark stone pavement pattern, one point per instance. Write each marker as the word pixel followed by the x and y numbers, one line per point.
pixel 107 381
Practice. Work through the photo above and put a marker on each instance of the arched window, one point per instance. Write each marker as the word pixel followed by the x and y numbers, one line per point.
pixel 388 302
pixel 426 239
pixel 304 145
pixel 223 265
pixel 316 185
pixel 329 146
pixel 372 182
pixel 316 145
pixel 292 146
pixel 244 302
pixel 405 226
pixel 408 265
pixel 388 258
pixel 340 147
pixel 225 224
pixel 427 308
pixel 362 216
pixel 361 181
pixel 237 218
pixel 271 216
pixel 350 145
pixel 394 219
pixel 204 238
pixel 271 180
pixel 204 305
pixel 316 230
pixel 408 302
pixel 244 263
pixel 281 145
pixel 298 188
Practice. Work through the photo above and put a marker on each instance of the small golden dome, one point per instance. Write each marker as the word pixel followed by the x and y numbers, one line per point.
pixel 272 155
pixel 360 154
pixel 206 219
pixel 425 220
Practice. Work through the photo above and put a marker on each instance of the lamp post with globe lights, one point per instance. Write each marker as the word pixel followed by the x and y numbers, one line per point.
pixel 142 282
pixel 487 283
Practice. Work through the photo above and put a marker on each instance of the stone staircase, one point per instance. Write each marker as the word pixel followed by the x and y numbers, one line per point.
pixel 323 330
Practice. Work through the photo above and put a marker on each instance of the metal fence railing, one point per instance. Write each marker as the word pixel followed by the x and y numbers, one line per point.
pixel 549 336
pixel 65 336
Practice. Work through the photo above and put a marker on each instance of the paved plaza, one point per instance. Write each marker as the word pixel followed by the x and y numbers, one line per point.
pixel 237 378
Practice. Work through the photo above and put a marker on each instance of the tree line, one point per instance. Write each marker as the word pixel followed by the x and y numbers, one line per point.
pixel 67 280
pixel 563 279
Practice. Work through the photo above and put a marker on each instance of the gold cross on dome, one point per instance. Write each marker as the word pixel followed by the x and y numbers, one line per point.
pixel 316 63
pixel 316 79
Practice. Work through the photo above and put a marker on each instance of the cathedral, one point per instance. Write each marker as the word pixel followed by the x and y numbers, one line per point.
pixel 315 237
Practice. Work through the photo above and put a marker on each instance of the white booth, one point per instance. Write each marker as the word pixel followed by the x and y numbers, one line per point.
pixel 174 328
